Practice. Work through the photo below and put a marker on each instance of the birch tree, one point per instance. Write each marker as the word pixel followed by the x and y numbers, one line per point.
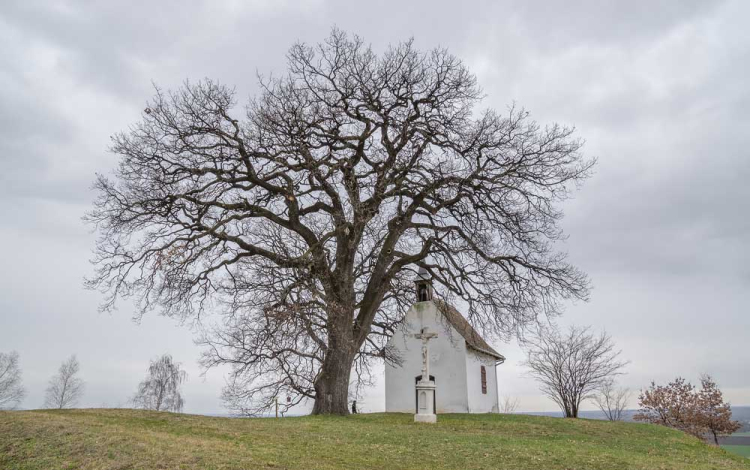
pixel 160 391
pixel 65 389
pixel 11 389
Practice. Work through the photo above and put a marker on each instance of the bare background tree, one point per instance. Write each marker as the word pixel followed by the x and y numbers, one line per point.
pixel 571 366
pixel 612 400
pixel 509 404
pixel 160 390
pixel 304 223
pixel 65 389
pixel 11 390
pixel 679 405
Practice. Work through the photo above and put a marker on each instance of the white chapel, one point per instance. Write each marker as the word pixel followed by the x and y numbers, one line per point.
pixel 461 363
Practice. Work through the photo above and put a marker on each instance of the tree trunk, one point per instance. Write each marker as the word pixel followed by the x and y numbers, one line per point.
pixel 567 409
pixel 159 398
pixel 332 386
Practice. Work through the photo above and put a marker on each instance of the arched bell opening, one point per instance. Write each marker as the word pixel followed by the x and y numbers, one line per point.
pixel 423 284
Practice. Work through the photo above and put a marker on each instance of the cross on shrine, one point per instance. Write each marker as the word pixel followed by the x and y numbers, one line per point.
pixel 425 337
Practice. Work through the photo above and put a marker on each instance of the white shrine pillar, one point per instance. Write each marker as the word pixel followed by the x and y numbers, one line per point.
pixel 425 387
pixel 425 402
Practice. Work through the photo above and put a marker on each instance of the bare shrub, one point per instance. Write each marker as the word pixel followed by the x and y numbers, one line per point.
pixel 613 401
pixel 509 404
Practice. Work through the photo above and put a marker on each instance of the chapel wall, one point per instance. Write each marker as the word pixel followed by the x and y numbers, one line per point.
pixel 479 402
pixel 447 363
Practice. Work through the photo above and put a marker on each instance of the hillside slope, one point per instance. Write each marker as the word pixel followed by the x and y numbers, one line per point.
pixel 128 439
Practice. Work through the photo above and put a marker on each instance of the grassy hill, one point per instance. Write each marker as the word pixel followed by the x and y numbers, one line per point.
pixel 128 439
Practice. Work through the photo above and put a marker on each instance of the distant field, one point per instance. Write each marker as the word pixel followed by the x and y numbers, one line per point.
pixel 739 450
pixel 128 439
pixel 735 440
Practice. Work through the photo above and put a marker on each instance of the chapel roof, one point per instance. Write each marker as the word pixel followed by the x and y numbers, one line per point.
pixel 422 275
pixel 473 339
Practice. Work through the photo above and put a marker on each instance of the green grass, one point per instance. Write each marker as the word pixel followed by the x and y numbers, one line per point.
pixel 739 450
pixel 127 439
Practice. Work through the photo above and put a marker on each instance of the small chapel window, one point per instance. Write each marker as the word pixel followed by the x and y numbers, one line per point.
pixel 484 380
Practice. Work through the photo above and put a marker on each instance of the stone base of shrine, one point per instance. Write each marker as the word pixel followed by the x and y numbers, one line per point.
pixel 425 418
pixel 425 402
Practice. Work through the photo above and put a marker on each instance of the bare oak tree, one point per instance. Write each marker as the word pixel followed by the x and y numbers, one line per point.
pixel 65 389
pixel 304 223
pixel 11 390
pixel 571 367
pixel 612 400
pixel 161 388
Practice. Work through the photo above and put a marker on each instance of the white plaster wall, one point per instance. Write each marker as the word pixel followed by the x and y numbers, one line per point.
pixel 479 402
pixel 447 363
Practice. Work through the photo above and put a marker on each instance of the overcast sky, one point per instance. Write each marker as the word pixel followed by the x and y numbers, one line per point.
pixel 658 89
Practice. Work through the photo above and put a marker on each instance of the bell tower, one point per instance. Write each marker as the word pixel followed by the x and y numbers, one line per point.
pixel 423 285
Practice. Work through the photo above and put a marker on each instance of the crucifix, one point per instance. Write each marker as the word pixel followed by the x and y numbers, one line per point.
pixel 425 337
